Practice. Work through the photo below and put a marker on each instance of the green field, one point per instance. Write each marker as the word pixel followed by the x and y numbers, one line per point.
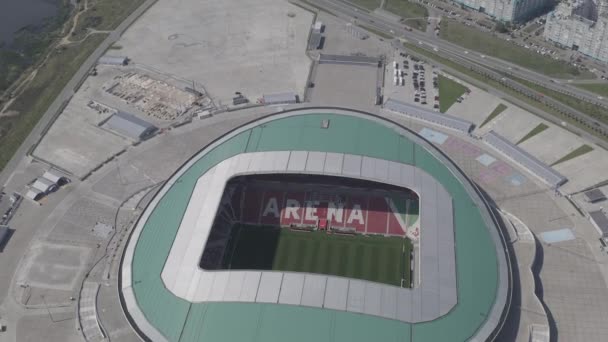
pixel 368 4
pixel 595 111
pixel 486 43
pixel 408 9
pixel 583 149
pixel 598 88
pixel 534 131
pixel 31 105
pixel 103 15
pixel 499 109
pixel 375 258
pixel 449 92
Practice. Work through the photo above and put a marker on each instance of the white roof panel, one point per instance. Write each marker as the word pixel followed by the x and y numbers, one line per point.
pixel 356 296
pixel 336 293
pixel 234 286
pixel 250 286
pixel 315 162
pixel 333 163
pixel 373 298
pixel 314 290
pixel 297 161
pixel 219 286
pixel 351 165
pixel 270 286
pixel 389 302
pixel 291 288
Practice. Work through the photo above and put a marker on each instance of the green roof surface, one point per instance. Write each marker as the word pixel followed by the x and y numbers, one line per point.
pixel 179 320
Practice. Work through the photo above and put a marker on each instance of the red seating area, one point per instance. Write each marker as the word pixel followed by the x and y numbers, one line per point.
pixel 371 214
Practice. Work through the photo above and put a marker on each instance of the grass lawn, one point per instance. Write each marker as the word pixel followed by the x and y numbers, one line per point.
pixel 539 128
pixel 486 43
pixel 576 153
pixel 499 109
pixel 407 9
pixel 104 15
pixel 449 92
pixel 375 258
pixel 532 27
pixel 374 31
pixel 597 112
pixel 488 81
pixel 368 4
pixel 41 92
pixel 598 88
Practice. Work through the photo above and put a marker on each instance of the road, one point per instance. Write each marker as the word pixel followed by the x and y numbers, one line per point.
pixel 486 64
pixel 67 93
pixel 561 85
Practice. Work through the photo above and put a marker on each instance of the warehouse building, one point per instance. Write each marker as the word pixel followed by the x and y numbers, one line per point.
pixel 113 60
pixel 130 126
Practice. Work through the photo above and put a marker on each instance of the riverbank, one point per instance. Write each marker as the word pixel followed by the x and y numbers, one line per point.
pixel 29 44
pixel 39 86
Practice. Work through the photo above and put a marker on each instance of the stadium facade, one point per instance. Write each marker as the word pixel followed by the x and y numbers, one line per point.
pixel 465 283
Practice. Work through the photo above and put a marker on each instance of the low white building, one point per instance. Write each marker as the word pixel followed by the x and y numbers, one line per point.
pixel 580 25
pixel 50 181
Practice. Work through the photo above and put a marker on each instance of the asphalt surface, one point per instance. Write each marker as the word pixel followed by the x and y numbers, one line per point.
pixel 475 60
pixel 67 93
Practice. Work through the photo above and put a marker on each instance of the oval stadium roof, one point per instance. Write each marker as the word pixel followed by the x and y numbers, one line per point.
pixel 481 263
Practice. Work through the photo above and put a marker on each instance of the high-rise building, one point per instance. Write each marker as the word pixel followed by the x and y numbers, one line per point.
pixel 508 10
pixel 580 25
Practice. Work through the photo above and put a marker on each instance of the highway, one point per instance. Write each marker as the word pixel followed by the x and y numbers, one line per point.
pixel 351 12
pixel 485 65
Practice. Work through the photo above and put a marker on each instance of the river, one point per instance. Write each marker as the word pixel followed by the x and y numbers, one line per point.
pixel 16 14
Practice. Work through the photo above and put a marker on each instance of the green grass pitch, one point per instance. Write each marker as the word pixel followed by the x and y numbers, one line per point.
pixel 375 258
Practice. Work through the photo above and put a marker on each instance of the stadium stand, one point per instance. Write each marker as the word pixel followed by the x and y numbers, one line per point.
pixel 546 173
pixel 289 203
pixel 444 120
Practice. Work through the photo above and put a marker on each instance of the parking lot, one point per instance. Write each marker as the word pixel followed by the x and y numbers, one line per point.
pixel 412 81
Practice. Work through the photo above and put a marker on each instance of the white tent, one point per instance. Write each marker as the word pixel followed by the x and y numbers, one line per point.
pixel 34 194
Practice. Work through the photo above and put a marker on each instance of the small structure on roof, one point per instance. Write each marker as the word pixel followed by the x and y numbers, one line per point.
pixel 280 98
pixel 130 126
pixel 113 60
pixel 600 221
pixel 595 195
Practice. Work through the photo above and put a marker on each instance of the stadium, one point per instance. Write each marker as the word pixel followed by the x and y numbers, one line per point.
pixel 321 224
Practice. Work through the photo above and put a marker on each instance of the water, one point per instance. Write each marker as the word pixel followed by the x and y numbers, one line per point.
pixel 16 14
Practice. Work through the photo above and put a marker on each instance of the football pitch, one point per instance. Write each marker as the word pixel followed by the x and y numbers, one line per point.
pixel 375 258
